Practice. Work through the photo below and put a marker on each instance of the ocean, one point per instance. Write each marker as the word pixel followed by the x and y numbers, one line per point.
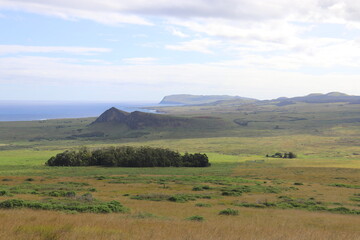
pixel 29 111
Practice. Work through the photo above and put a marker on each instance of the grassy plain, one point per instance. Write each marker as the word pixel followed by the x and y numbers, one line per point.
pixel 314 196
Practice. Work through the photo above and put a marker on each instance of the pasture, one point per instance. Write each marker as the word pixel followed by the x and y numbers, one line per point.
pixel 243 195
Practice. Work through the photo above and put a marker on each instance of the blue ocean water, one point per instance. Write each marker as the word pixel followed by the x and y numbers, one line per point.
pixel 28 111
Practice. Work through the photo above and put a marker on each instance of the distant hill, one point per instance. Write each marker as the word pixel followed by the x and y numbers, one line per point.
pixel 138 120
pixel 188 99
pixel 331 97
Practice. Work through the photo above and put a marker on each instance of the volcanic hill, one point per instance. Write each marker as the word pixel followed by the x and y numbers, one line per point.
pixel 138 120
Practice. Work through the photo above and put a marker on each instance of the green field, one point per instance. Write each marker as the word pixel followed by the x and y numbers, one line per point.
pixel 313 196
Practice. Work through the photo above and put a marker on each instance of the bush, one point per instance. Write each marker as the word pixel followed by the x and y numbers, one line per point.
pixel 201 188
pixel 152 197
pixel 229 212
pixel 12 203
pixel 203 205
pixel 73 206
pixel 4 193
pixel 60 193
pixel 181 198
pixel 280 155
pixel 127 156
pixel 196 218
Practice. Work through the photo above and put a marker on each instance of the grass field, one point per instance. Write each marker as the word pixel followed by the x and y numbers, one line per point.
pixel 313 196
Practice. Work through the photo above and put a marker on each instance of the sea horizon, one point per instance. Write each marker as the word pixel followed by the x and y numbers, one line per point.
pixel 46 110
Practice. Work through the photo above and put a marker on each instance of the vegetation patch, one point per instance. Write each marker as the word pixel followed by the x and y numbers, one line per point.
pixel 4 193
pixel 239 190
pixel 73 205
pixel 218 180
pixel 345 185
pixel 144 215
pixel 305 204
pixel 180 198
pixel 355 198
pixel 61 189
pixel 152 197
pixel 127 156
pixel 196 218
pixel 229 212
pixel 201 188
pixel 282 155
pixel 203 205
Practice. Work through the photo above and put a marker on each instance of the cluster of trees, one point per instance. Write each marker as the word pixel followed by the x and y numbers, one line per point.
pixel 127 156
pixel 281 155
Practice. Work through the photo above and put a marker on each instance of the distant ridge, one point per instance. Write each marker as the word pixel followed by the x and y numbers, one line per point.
pixel 137 120
pixel 331 97
pixel 189 99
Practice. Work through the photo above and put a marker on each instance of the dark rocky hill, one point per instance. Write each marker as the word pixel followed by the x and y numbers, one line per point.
pixel 138 120
pixel 112 115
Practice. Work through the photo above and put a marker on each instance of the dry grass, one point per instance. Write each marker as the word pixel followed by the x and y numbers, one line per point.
pixel 166 220
pixel 251 224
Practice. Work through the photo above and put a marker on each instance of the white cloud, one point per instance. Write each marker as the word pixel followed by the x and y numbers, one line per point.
pixel 177 32
pixel 259 43
pixel 198 45
pixel 123 11
pixel 140 61
pixel 203 78
pixel 98 11
pixel 12 49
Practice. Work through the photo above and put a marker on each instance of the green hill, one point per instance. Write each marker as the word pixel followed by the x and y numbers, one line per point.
pixel 138 120
pixel 188 99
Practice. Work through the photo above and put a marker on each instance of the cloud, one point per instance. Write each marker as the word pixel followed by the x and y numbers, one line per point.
pixel 260 44
pixel 13 49
pixel 122 11
pixel 177 32
pixel 140 61
pixel 197 45
pixel 203 78
pixel 105 12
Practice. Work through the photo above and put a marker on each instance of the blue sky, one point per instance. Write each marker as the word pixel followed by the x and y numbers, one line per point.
pixel 115 50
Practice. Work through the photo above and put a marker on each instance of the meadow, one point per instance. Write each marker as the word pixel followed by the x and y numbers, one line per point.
pixel 243 195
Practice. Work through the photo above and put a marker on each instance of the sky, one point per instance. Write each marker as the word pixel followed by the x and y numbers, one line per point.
pixel 140 51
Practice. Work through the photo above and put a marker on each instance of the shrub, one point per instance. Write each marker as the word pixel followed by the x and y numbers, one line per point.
pixel 280 155
pixel 181 198
pixel 127 156
pixel 196 218
pixel 203 205
pixel 12 203
pixel 86 197
pixel 4 193
pixel 73 206
pixel 345 185
pixel 197 188
pixel 201 188
pixel 60 193
pixel 152 197
pixel 229 212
